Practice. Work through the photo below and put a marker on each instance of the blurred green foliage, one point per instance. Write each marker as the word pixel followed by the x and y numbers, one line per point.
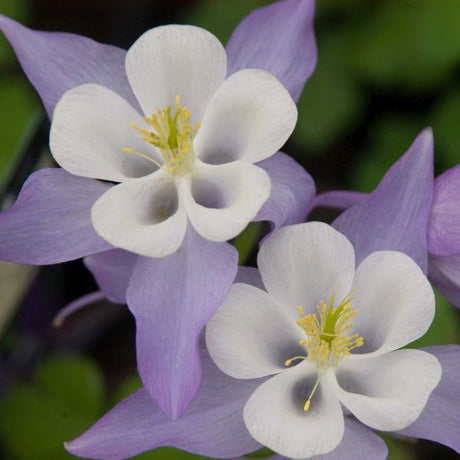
pixel 63 399
pixel 18 102
pixel 445 327
pixel 221 18
pixel 247 241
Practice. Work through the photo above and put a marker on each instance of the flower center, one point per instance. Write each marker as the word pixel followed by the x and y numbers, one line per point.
pixel 173 135
pixel 326 339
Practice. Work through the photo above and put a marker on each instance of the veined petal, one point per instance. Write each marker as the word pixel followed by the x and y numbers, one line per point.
pixel 55 62
pixel 444 223
pixel 444 273
pixel 51 220
pixel 275 417
pixel 249 118
pixel 176 60
pixel 250 335
pixel 144 216
pixel 90 128
pixel 278 38
pixel 172 298
pixel 292 190
pixel 440 419
pixel 222 199
pixel 112 271
pixel 358 443
pixel 388 392
pixel 212 426
pixel 394 302
pixel 304 264
pixel 395 215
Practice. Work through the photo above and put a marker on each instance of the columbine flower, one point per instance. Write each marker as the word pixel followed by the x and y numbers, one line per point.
pixel 213 425
pixel 190 157
pixel 339 327
pixel 51 221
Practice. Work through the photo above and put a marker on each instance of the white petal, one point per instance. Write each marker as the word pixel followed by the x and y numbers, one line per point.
pixel 306 263
pixel 89 131
pixel 275 417
pixel 222 199
pixel 388 392
pixel 175 59
pixel 250 335
pixel 144 216
pixel 249 118
pixel 394 301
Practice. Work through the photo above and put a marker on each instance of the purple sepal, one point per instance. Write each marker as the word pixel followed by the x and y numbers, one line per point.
pixel 444 226
pixel 440 420
pixel 112 272
pixel 172 298
pixel 51 220
pixel 292 190
pixel 55 62
pixel 212 425
pixel 394 216
pixel 278 38
pixel 249 275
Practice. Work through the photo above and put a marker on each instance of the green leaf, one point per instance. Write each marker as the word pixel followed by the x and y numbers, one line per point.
pixel 63 400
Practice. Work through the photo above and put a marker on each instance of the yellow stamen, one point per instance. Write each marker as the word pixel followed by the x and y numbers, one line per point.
pixel 326 338
pixel 142 155
pixel 294 358
pixel 313 391
pixel 173 134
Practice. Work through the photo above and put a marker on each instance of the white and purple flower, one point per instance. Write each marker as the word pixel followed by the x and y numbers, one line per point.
pixel 185 188
pixel 342 328
pixel 189 157
pixel 257 332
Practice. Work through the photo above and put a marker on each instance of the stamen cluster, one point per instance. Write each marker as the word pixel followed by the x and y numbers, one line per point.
pixel 173 135
pixel 327 342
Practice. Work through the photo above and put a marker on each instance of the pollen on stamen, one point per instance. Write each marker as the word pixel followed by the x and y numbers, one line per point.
pixel 173 134
pixel 326 341
pixel 307 404
pixel 142 155
pixel 326 331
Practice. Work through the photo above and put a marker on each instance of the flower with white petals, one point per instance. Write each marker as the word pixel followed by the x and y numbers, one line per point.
pixel 189 154
pixel 330 336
